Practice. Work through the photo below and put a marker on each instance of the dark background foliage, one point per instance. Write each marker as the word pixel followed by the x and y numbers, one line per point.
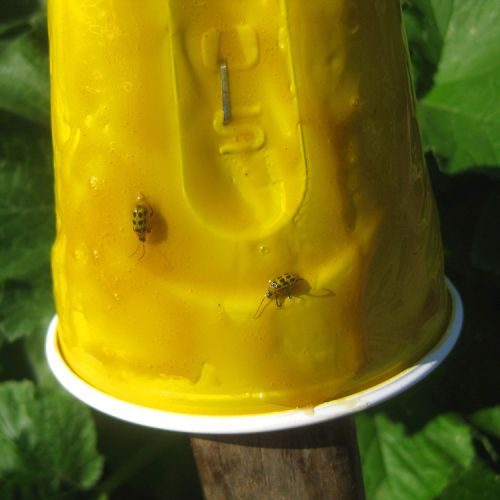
pixel 440 439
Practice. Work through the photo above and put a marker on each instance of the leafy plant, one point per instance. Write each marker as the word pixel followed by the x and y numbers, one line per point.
pixel 47 441
pixel 459 44
pixel 438 440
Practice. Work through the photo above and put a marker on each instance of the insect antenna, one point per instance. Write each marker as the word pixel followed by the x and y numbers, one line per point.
pixel 143 250
pixel 255 316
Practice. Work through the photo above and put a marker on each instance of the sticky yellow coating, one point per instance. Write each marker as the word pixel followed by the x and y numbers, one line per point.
pixel 318 172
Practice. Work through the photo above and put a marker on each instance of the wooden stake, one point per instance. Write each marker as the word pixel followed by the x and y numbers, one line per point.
pixel 315 462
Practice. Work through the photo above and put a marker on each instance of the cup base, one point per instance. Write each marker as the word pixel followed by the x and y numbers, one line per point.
pixel 242 424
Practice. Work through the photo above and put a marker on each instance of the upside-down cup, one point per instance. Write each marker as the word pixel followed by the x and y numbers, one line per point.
pixel 245 223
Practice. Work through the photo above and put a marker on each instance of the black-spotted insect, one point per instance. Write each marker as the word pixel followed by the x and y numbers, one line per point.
pixel 141 221
pixel 279 287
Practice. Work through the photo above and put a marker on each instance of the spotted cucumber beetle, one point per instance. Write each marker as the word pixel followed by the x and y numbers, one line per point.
pixel 279 287
pixel 141 221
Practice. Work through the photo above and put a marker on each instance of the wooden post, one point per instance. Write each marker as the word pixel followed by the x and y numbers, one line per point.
pixel 315 462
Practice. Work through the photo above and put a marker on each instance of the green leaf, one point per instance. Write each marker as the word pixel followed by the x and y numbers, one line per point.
pixel 26 305
pixel 477 483
pixel 425 32
pixel 9 26
pixel 16 15
pixel 48 443
pixel 26 227
pixel 401 466
pixel 24 77
pixel 26 197
pixel 487 420
pixel 34 352
pixel 460 116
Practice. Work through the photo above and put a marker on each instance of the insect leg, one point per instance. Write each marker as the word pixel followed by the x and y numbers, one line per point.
pixel 143 250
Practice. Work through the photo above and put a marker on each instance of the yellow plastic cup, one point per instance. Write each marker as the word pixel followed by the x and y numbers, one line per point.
pixel 244 219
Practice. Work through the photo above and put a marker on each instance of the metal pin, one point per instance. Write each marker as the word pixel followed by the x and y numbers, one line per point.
pixel 226 102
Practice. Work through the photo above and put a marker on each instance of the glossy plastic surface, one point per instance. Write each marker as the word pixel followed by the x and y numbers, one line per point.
pixel 240 424
pixel 319 173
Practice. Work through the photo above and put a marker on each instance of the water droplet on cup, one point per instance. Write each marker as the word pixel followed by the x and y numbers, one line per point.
pixel 355 102
pixel 127 86
pixel 354 29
